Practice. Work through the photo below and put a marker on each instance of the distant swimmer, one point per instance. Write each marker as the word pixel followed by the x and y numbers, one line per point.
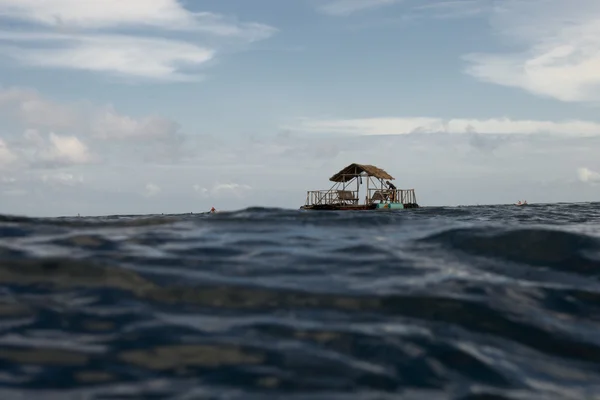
pixel 212 210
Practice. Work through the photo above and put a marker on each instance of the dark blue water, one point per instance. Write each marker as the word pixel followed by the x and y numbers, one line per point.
pixel 497 302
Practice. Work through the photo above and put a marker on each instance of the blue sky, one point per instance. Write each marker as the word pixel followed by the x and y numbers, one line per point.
pixel 151 106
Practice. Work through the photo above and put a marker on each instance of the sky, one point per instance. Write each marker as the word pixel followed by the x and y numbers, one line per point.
pixel 168 106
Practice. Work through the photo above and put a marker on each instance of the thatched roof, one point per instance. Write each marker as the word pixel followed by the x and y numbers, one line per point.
pixel 353 170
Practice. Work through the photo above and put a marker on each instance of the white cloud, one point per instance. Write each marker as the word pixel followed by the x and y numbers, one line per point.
pixel 151 190
pixel 31 108
pixel 127 55
pixel 164 13
pixel 66 150
pixel 148 58
pixel 235 188
pixel 346 7
pixel 559 49
pixel 109 124
pixel 455 8
pixel 53 134
pixel 167 14
pixel 204 192
pixel 588 176
pixel 36 112
pixel 6 155
pixel 34 149
pixel 399 126
pixel 62 179
pixel 223 190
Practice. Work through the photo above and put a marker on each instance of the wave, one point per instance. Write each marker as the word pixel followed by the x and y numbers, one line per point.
pixel 437 303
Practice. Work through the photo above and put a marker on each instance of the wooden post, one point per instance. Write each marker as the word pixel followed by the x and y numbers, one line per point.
pixel 357 187
pixel 367 198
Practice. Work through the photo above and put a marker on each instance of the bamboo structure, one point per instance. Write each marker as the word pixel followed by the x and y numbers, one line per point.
pixel 343 196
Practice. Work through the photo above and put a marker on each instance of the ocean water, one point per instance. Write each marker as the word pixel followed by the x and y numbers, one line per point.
pixel 490 302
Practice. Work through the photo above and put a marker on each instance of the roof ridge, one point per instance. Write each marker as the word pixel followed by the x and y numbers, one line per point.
pixel 349 172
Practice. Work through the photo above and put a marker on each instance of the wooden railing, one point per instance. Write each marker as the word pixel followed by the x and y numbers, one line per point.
pixel 316 197
pixel 404 196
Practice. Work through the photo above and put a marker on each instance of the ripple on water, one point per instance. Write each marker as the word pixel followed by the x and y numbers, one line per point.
pixel 494 302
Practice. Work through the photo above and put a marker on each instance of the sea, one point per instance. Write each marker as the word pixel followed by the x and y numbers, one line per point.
pixel 470 303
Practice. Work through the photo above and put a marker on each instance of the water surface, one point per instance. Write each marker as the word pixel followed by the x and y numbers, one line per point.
pixel 497 302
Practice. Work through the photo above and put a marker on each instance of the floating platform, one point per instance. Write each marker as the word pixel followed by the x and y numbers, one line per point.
pixel 344 195
pixel 359 207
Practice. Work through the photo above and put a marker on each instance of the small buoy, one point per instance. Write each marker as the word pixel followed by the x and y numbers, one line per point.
pixel 212 210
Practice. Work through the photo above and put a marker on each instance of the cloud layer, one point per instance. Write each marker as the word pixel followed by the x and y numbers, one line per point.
pixel 552 46
pixel 454 8
pixel 52 134
pixel 88 40
pixel 346 7
pixel 401 126
pixel 588 176
pixel 120 55
pixel 556 49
